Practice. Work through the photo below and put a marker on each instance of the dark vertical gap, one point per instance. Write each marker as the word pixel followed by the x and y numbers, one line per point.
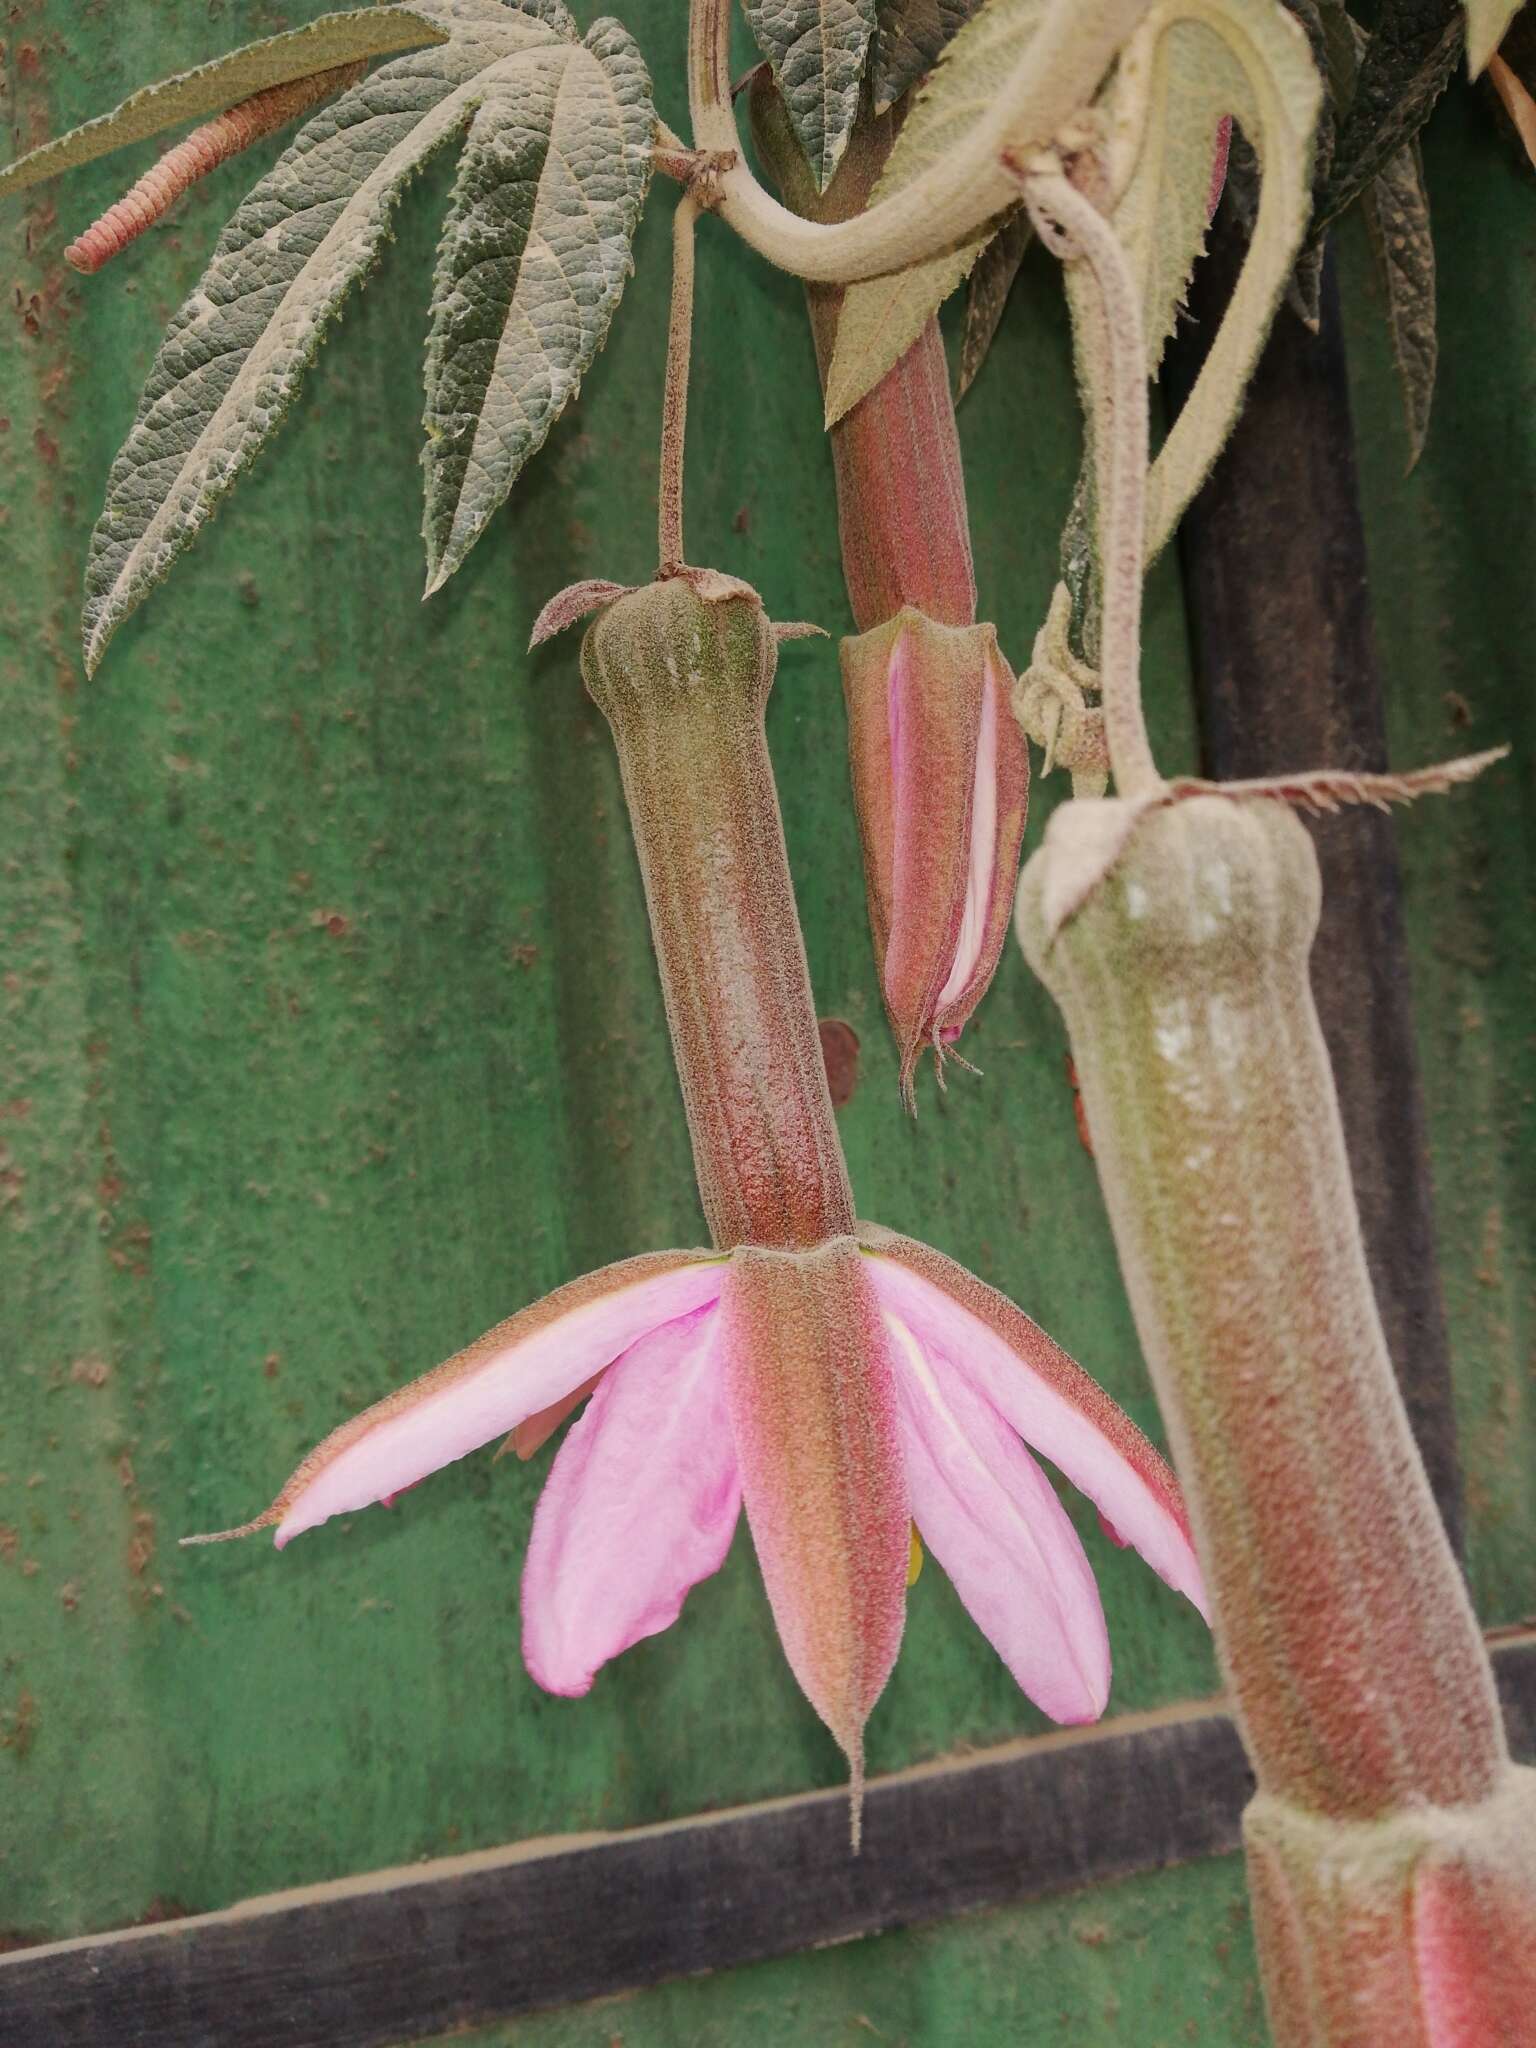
pixel 1286 674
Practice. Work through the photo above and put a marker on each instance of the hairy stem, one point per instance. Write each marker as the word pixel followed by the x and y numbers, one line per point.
pixel 1056 74
pixel 674 404
pixel 1071 225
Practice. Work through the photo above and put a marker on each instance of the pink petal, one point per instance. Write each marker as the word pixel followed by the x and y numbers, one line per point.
pixel 529 1362
pixel 999 810
pixel 991 1518
pixel 982 860
pixel 641 1504
pixel 1010 1362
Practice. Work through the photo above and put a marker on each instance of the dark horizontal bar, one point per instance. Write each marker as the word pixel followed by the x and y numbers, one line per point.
pixel 404 1955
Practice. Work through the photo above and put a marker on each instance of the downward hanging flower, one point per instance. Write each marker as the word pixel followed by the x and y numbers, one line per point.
pixel 839 1382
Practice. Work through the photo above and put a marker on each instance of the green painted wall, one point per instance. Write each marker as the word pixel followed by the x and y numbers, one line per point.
pixel 329 1035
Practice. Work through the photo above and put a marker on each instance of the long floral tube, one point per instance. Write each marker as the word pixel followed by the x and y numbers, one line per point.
pixel 839 1382
pixel 1390 1823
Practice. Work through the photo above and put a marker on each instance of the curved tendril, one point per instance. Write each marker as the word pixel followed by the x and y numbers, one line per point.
pixel 1055 76
pixel 1072 226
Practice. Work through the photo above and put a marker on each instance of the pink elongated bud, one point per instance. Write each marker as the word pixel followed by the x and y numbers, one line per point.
pixel 941 784
pixel 199 153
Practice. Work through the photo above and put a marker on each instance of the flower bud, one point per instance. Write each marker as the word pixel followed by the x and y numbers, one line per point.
pixel 941 784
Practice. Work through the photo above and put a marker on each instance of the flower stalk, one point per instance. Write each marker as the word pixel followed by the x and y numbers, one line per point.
pixel 1057 73
pixel 1071 226
pixel 674 401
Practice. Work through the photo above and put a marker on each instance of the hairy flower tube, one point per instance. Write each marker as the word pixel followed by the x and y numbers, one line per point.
pixel 838 1381
pixel 940 769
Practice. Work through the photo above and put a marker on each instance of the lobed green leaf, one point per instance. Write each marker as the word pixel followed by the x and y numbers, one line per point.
pixel 818 50
pixel 235 353
pixel 910 37
pixel 1405 67
pixel 534 257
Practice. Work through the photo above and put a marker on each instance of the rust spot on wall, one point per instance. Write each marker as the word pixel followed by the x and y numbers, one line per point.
pixel 141 1542
pixel 18 1726
pixel 12 1180
pixel 161 1908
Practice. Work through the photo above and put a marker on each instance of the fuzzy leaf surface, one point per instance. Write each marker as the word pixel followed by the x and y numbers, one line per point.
pixel 1406 65
pixel 1259 61
pixel 910 37
pixel 210 88
pixel 1396 211
pixel 882 316
pixel 1486 23
pixel 534 257
pixel 991 281
pixel 818 50
pixel 235 353
pixel 1200 60
pixel 1191 80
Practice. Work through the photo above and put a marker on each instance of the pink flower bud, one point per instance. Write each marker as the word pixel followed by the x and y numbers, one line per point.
pixel 941 783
